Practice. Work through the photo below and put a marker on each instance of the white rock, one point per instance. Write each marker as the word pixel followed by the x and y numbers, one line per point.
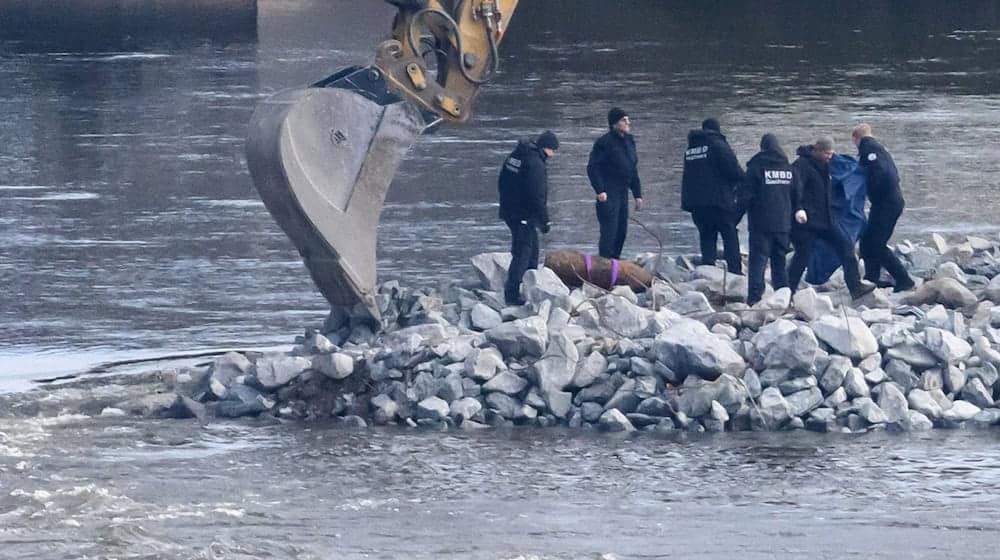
pixel 484 317
pixel 851 338
pixel 961 411
pixel 492 270
pixel 688 346
pixel 614 421
pixel 276 370
pixel 542 284
pixel 812 306
pixel 922 402
pixel 947 347
pixel 335 366
pixel 523 337
pixel 623 318
pixel 484 363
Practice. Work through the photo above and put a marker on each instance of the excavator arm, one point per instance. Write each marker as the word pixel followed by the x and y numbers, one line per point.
pixel 323 157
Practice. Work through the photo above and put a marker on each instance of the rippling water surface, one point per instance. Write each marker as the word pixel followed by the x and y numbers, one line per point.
pixel 177 490
pixel 129 225
pixel 129 228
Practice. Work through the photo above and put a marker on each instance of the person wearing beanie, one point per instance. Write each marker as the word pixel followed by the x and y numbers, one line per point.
pixel 708 191
pixel 523 188
pixel 613 170
pixel 770 197
pixel 887 205
pixel 813 169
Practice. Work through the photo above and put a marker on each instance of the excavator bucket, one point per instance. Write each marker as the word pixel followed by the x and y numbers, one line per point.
pixel 323 158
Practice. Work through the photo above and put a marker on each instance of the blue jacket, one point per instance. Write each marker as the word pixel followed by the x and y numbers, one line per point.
pixel 847 208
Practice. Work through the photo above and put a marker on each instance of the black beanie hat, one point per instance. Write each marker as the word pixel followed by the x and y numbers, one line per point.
pixel 711 124
pixel 548 140
pixel 615 115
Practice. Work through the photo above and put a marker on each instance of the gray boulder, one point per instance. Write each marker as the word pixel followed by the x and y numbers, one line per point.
pixel 812 306
pixel 835 373
pixel 506 382
pixel 961 411
pixel 483 364
pixel 946 346
pixel 919 422
pixel 432 408
pixel 804 401
pixel 523 337
pixel 689 347
pixel 277 370
pixel 893 403
pixel 783 344
pixel 492 269
pixel 542 284
pixel 921 401
pixel 850 337
pixel 614 421
pixel 622 317
pixel 773 410
pixel 589 370
pixel 335 366
pixel 976 393
pixel 484 317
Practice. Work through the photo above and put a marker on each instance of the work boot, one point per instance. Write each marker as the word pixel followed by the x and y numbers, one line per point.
pixel 863 289
pixel 904 286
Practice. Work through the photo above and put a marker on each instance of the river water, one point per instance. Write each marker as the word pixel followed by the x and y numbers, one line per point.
pixel 129 228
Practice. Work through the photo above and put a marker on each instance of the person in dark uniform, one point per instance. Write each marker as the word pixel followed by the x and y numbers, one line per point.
pixel 887 205
pixel 613 170
pixel 770 197
pixel 708 191
pixel 813 170
pixel 523 188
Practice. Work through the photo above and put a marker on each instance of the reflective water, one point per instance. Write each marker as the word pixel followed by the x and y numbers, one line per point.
pixel 178 490
pixel 129 227
pixel 128 223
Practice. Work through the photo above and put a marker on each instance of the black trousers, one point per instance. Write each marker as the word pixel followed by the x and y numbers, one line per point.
pixel 524 257
pixel 875 245
pixel 802 240
pixel 711 223
pixel 765 246
pixel 613 219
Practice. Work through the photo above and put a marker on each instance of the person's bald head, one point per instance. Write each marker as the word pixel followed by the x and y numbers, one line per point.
pixel 862 131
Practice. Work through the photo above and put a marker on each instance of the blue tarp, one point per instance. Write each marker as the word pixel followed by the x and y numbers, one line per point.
pixel 849 190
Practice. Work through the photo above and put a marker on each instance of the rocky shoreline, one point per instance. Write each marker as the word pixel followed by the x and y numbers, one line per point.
pixel 685 355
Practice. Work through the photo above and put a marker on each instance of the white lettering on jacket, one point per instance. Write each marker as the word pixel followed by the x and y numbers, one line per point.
pixel 513 165
pixel 698 152
pixel 777 177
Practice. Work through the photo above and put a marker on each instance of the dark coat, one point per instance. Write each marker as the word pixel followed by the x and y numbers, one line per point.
pixel 880 170
pixel 711 172
pixel 524 185
pixel 771 192
pixel 817 188
pixel 614 166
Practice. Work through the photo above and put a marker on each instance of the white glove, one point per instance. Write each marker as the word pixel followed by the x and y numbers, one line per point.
pixel 801 217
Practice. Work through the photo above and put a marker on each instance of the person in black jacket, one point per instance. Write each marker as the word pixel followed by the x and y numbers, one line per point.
pixel 770 197
pixel 886 207
pixel 523 188
pixel 613 170
pixel 813 169
pixel 708 191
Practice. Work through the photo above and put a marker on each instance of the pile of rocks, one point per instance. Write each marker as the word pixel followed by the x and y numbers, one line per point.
pixel 686 355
